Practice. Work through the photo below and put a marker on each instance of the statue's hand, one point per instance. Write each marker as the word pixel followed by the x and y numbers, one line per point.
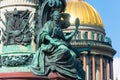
pixel 77 23
pixel 55 43
pixel 76 31
pixel 52 42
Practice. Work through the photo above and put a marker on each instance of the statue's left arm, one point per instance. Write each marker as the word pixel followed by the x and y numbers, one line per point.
pixel 69 37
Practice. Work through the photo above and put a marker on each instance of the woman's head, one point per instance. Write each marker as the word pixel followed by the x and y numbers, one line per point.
pixel 55 15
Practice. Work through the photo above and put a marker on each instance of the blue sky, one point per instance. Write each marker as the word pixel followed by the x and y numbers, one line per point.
pixel 109 11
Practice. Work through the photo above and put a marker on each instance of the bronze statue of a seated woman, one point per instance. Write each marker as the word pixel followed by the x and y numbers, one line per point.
pixel 55 54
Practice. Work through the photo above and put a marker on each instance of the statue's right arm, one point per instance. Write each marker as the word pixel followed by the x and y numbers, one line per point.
pixel 45 32
pixel 50 39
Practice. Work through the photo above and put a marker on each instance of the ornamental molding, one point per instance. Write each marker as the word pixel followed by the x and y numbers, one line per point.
pixel 98 45
pixel 8 3
pixel 15 60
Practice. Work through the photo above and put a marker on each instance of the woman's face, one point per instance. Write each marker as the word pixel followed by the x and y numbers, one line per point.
pixel 56 16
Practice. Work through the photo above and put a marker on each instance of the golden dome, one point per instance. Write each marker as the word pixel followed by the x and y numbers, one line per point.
pixel 84 11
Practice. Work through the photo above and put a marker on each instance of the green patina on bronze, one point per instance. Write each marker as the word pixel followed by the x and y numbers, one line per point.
pixel 16 49
pixel 54 53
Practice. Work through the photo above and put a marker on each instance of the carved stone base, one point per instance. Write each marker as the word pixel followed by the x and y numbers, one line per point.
pixel 27 76
pixel 16 55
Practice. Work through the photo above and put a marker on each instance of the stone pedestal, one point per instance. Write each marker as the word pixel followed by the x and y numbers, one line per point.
pixel 15 63
pixel 28 76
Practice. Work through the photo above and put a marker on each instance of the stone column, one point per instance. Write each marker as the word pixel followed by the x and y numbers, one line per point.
pixel 89 35
pixel 97 67
pixel 82 33
pixel 93 68
pixel 84 62
pixel 87 72
pixel 111 69
pixel 95 36
pixel 85 65
pixel 107 70
pixel 101 68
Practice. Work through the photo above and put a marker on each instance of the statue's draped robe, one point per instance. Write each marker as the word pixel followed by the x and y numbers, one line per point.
pixel 55 58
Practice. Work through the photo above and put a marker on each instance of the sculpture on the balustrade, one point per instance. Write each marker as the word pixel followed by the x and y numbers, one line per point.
pixel 17 30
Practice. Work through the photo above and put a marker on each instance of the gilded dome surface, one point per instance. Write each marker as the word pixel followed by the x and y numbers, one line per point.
pixel 85 12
